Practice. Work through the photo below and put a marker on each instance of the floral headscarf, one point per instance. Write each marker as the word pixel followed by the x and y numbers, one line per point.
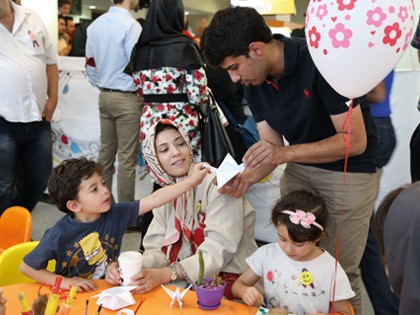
pixel 182 218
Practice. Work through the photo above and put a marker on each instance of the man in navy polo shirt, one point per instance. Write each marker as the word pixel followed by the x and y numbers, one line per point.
pixel 289 98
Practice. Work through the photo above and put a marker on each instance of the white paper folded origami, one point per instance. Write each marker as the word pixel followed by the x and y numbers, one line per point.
pixel 226 171
pixel 116 297
pixel 176 295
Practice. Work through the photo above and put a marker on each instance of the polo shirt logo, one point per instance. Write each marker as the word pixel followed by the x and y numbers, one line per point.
pixel 306 93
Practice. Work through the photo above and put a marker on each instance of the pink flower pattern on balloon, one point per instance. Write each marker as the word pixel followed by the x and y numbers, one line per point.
pixel 340 36
pixel 346 6
pixel 314 37
pixel 403 14
pixel 407 39
pixel 322 11
pixel 375 17
pixel 392 34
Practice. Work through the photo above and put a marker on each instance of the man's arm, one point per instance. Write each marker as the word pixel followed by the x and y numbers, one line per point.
pixel 324 151
pixel 240 184
pixel 52 92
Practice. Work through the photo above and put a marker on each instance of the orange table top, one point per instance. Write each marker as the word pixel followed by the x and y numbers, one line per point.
pixel 156 302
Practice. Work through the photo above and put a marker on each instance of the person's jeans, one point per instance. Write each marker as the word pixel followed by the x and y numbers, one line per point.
pixel 384 301
pixel 25 162
pixel 386 140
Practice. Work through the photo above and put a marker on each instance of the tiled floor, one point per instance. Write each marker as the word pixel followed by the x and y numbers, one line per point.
pixel 45 215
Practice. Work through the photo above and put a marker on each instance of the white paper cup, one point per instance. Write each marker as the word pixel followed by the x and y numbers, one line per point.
pixel 130 264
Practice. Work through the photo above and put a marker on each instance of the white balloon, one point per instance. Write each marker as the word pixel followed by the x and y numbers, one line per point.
pixel 356 43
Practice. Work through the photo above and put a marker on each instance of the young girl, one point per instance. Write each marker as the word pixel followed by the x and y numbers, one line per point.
pixel 298 276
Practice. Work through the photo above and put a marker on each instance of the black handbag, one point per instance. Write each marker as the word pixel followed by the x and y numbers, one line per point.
pixel 216 143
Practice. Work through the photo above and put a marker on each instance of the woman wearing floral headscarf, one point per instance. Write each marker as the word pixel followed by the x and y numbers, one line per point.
pixel 202 219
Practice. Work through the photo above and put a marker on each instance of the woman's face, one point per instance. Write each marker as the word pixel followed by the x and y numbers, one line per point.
pixel 173 153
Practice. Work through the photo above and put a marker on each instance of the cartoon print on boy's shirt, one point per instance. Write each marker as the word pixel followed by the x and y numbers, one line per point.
pixel 88 258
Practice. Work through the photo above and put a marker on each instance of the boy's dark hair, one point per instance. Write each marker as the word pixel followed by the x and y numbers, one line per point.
pixel 308 202
pixel 380 216
pixel 231 31
pixel 65 179
pixel 118 1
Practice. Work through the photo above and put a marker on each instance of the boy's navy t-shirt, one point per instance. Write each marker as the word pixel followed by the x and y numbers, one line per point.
pixel 84 249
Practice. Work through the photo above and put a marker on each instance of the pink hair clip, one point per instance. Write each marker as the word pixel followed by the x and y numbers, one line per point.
pixel 306 219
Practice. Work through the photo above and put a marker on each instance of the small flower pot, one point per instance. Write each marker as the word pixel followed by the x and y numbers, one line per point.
pixel 209 298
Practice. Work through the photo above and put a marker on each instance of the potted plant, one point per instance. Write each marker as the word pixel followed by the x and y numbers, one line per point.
pixel 209 290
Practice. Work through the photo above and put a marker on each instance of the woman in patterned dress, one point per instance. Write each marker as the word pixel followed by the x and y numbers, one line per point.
pixel 168 72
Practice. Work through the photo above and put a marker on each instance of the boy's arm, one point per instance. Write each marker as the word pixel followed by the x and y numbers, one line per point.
pixel 169 193
pixel 44 276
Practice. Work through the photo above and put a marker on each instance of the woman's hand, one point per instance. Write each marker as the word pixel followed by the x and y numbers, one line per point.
pixel 148 279
pixel 112 275
pixel 198 173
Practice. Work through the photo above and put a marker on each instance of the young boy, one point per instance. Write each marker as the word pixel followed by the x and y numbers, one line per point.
pixel 89 237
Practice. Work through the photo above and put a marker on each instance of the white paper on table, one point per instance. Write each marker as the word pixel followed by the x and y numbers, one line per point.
pixel 116 297
pixel 226 171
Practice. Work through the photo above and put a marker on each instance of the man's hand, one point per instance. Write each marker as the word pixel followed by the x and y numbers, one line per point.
pixel 236 187
pixel 261 153
pixel 48 112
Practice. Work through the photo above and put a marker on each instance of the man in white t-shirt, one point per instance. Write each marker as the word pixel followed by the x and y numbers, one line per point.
pixel 28 89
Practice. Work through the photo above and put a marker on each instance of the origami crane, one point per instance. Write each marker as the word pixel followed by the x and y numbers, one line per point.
pixel 116 297
pixel 226 171
pixel 176 295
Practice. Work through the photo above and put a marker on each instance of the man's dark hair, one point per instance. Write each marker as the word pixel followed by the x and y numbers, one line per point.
pixel 118 1
pixel 308 202
pixel 63 2
pixel 231 31
pixel 65 179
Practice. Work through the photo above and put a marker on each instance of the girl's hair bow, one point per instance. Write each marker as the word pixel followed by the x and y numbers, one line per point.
pixel 306 219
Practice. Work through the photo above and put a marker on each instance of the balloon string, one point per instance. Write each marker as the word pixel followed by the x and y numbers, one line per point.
pixel 346 138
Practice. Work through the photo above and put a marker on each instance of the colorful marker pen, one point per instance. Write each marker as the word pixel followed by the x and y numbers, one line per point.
pixel 54 298
pixel 26 309
pixel 65 308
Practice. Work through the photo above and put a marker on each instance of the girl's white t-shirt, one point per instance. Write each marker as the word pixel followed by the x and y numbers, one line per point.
pixel 287 283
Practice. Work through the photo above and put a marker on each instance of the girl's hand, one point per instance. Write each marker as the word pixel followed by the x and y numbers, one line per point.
pixel 112 275
pixel 198 173
pixel 251 296
pixel 82 284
